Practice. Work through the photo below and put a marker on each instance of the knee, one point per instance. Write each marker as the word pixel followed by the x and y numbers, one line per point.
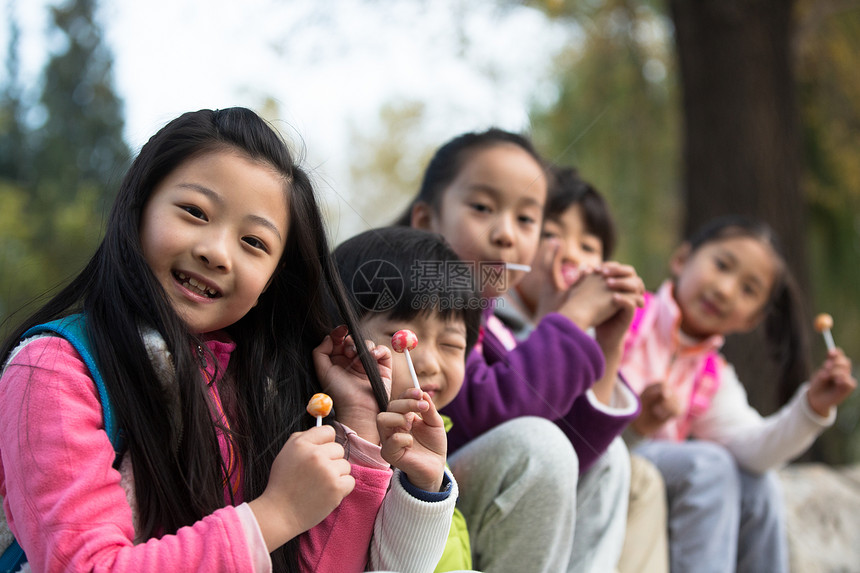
pixel 646 483
pixel 708 465
pixel 543 447
pixel 761 496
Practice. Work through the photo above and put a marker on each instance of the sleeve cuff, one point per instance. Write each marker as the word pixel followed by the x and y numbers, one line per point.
pixel 256 544
pixel 624 401
pixel 427 495
pixel 823 421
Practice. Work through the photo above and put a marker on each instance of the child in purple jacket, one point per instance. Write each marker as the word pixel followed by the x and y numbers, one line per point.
pixel 485 193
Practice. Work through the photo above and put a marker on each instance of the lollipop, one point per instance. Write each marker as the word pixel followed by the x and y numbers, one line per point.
pixel 319 406
pixel 404 341
pixel 518 267
pixel 823 324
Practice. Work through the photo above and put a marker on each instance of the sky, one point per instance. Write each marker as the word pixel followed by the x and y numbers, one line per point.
pixel 329 66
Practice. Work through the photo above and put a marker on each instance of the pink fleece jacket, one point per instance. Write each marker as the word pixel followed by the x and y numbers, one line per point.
pixel 66 506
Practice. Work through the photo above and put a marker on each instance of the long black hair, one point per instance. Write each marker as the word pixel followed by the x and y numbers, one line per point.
pixel 785 326
pixel 449 159
pixel 179 472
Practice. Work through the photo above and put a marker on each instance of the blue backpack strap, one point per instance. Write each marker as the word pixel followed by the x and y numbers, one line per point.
pixel 74 329
pixel 12 559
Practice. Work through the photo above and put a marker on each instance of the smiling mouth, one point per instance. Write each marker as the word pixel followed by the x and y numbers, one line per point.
pixel 194 285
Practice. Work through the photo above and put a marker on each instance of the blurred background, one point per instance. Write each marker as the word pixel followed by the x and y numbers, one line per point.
pixel 677 111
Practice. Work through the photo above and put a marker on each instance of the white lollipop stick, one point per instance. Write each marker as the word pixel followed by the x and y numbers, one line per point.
pixel 403 341
pixel 518 267
pixel 411 369
pixel 828 340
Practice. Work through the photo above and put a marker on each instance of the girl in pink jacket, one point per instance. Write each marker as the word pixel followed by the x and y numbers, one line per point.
pixel 206 305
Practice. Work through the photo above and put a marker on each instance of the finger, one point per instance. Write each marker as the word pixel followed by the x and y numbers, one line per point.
pixel 394 420
pixel 431 417
pixel 320 435
pixel 405 405
pixel 396 443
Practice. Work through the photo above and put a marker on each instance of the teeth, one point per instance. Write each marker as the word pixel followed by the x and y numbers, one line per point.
pixel 192 282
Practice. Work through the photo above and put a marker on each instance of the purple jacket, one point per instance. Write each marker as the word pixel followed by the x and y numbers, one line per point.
pixel 546 375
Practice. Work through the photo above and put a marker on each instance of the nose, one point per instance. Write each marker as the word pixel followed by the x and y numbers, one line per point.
pixel 726 285
pixel 502 233
pixel 425 361
pixel 213 251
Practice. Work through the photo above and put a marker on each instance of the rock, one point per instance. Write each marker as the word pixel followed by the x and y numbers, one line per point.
pixel 823 517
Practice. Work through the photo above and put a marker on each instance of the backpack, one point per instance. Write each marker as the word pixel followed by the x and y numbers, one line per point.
pixel 74 329
pixel 707 380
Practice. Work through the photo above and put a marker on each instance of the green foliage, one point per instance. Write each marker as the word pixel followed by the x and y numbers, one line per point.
pixel 616 120
pixel 387 168
pixel 57 178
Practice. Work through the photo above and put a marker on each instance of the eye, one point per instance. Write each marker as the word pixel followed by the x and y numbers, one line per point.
pixel 195 212
pixel 480 207
pixel 256 243
pixel 549 234
pixel 721 264
pixel 527 219
pixel 587 248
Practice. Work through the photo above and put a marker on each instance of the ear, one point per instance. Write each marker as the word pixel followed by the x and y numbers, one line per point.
pixel 422 216
pixel 679 259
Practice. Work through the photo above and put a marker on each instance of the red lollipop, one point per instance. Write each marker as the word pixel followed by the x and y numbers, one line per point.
pixel 404 341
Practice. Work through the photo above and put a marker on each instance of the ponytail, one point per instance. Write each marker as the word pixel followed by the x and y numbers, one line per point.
pixel 787 336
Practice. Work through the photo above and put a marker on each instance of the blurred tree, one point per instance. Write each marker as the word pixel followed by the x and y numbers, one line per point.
pixel 81 137
pixel 615 118
pixel 12 143
pixel 387 166
pixel 61 158
pixel 741 142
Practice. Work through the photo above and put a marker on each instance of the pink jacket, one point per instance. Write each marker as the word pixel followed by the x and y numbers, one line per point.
pixel 66 506
pixel 657 350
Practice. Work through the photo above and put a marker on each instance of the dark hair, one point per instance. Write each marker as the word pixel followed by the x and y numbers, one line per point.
pixel 784 323
pixel 567 189
pixel 449 159
pixel 405 273
pixel 177 485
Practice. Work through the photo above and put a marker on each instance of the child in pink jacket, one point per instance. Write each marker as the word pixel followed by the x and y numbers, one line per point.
pixel 205 307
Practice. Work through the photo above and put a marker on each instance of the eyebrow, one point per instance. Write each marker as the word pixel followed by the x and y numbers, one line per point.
pixel 495 193
pixel 216 198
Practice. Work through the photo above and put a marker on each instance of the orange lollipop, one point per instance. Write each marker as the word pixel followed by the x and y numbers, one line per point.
pixel 319 405
pixel 823 324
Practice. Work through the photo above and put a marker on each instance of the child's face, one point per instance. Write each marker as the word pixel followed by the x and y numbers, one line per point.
pixel 439 359
pixel 491 212
pixel 213 232
pixel 723 286
pixel 578 248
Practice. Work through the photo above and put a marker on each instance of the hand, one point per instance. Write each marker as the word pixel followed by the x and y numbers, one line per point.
pixel 343 377
pixel 589 301
pixel 659 405
pixel 308 479
pixel 831 383
pixel 629 294
pixel 413 439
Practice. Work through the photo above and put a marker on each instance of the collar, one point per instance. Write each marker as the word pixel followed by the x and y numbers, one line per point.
pixel 668 320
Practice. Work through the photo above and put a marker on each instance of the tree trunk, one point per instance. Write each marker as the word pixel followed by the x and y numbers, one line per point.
pixel 741 142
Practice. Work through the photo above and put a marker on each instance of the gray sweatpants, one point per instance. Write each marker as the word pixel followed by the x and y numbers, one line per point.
pixel 721 518
pixel 526 507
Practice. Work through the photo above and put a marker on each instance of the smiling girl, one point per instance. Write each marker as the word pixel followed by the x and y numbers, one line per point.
pixel 204 306
pixel 714 450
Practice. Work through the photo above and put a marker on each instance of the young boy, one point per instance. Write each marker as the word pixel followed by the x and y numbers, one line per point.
pixel 518 495
pixel 578 236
